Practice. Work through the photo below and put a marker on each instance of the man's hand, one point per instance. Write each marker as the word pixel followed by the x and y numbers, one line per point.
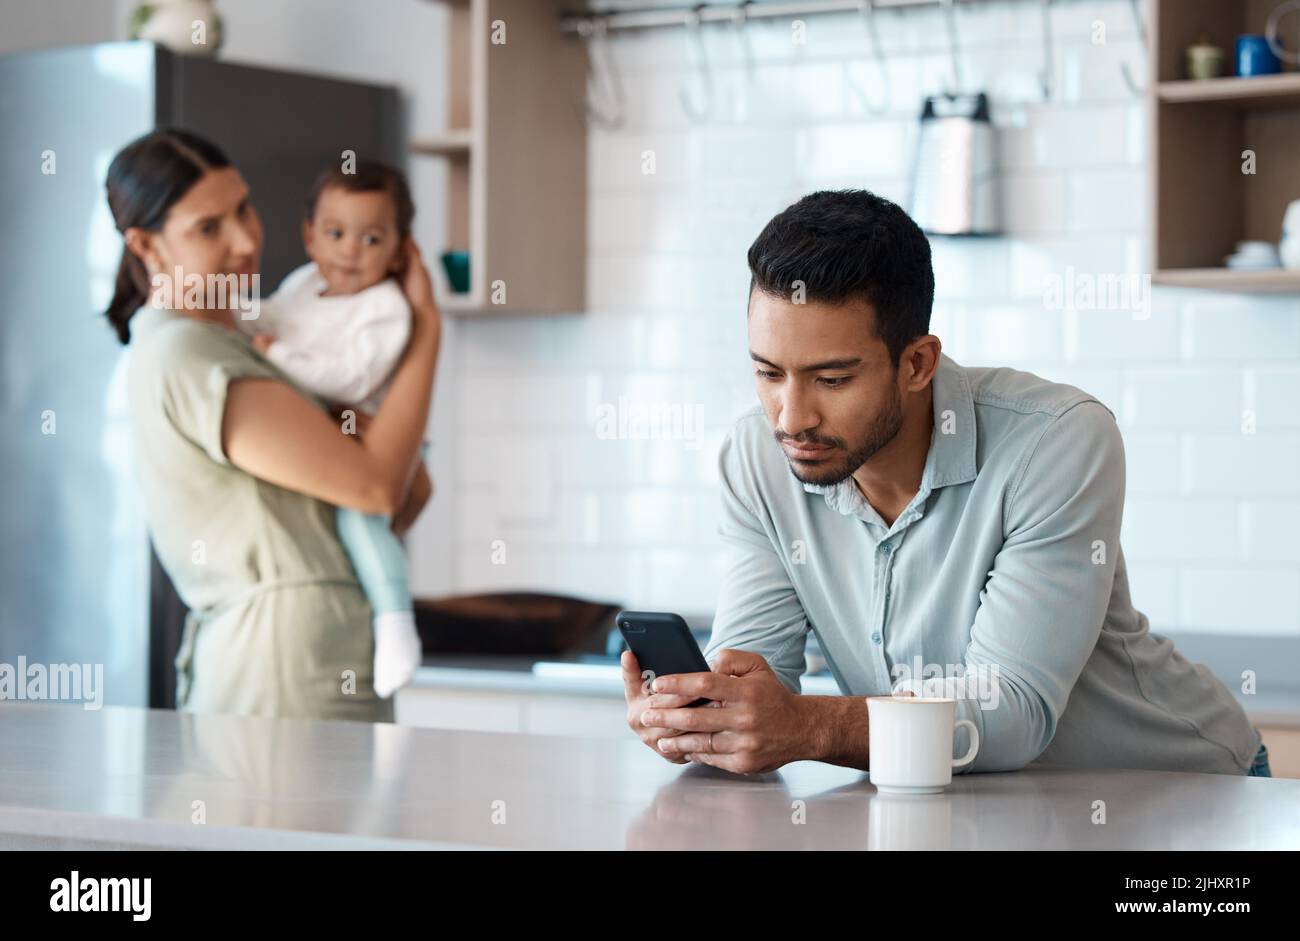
pixel 758 724
pixel 638 696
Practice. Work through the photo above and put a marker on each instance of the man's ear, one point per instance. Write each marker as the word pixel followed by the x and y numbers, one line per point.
pixel 922 356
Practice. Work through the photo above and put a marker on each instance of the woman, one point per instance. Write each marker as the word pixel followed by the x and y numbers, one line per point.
pixel 240 468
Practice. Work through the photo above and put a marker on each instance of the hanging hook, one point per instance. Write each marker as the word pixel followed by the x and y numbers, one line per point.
pixel 1045 77
pixel 695 36
pixel 740 21
pixel 1133 87
pixel 868 10
pixel 605 105
pixel 950 18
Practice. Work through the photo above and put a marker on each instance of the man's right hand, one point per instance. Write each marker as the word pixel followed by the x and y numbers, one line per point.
pixel 637 692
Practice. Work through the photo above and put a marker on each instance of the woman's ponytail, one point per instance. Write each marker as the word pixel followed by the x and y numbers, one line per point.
pixel 128 295
pixel 145 180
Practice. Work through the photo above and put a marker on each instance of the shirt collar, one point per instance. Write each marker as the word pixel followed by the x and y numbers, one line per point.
pixel 147 317
pixel 952 445
pixel 951 458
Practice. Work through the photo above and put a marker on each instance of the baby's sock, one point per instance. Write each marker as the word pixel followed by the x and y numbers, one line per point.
pixel 397 650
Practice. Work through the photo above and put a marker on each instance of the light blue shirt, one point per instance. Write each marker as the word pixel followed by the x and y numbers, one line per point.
pixel 1001 584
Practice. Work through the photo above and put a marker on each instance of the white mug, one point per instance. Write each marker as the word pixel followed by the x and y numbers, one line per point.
pixel 910 822
pixel 911 739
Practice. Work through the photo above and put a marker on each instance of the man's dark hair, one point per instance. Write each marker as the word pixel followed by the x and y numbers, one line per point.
pixel 848 245
pixel 369 176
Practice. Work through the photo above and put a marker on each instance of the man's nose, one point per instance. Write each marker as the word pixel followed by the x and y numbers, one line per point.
pixel 797 413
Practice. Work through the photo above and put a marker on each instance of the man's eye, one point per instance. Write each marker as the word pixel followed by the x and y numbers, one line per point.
pixel 833 382
pixel 768 374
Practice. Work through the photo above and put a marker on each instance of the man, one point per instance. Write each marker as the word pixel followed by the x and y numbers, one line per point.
pixel 941 530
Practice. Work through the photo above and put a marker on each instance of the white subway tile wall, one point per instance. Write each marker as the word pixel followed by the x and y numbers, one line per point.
pixel 585 444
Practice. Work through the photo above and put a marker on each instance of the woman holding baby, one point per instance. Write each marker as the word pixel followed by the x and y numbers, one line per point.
pixel 249 475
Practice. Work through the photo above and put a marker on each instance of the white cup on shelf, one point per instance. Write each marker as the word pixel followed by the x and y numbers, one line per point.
pixel 1289 247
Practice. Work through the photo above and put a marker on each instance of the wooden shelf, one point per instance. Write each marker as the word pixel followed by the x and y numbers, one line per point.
pixel 1272 281
pixel 1224 152
pixel 1263 91
pixel 515 191
pixel 450 302
pixel 446 144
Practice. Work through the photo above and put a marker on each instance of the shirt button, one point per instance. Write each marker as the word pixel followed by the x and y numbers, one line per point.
pixel 875 638
pixel 885 548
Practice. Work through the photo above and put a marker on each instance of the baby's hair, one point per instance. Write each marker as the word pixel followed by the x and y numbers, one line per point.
pixel 370 176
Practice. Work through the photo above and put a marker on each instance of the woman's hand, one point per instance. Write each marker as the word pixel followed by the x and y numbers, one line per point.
pixel 418 288
pixel 417 496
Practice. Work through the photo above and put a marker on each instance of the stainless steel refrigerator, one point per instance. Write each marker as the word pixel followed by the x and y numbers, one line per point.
pixel 79 583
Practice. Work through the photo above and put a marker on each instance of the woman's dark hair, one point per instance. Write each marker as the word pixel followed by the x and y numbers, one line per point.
pixel 847 245
pixel 145 180
pixel 368 176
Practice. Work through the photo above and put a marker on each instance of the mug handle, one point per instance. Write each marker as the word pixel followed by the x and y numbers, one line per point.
pixel 967 758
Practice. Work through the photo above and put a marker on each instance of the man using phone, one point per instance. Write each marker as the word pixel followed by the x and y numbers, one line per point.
pixel 943 530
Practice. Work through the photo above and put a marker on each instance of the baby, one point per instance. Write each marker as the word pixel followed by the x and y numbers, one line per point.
pixel 338 326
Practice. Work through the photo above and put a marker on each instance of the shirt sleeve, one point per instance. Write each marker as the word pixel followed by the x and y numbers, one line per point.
pixel 1046 598
pixel 758 609
pixel 352 370
pixel 197 364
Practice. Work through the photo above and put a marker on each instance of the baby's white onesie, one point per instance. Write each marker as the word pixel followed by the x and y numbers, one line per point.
pixel 342 348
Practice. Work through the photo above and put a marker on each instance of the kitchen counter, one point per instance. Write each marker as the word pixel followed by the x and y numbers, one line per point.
pixel 546 675
pixel 569 676
pixel 122 777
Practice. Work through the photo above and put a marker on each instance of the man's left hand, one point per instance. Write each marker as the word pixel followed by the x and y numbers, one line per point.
pixel 756 724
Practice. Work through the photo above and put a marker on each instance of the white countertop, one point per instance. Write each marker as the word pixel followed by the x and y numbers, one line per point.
pixel 557 677
pixel 141 778
pixel 553 676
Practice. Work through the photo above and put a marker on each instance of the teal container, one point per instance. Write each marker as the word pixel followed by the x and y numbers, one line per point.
pixel 456 264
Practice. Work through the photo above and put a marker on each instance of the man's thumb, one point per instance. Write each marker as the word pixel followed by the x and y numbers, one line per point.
pixel 737 662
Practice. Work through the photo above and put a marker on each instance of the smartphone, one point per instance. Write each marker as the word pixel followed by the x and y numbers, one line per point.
pixel 662 643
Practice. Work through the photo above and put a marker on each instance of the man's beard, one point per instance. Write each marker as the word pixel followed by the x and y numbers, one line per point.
pixel 883 430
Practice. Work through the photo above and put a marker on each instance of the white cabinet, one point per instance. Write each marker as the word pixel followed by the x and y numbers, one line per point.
pixel 505 711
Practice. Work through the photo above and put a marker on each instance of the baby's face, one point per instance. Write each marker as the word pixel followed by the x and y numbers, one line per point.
pixel 353 239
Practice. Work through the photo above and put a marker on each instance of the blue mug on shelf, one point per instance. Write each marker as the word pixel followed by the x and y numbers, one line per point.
pixel 456 264
pixel 1254 57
